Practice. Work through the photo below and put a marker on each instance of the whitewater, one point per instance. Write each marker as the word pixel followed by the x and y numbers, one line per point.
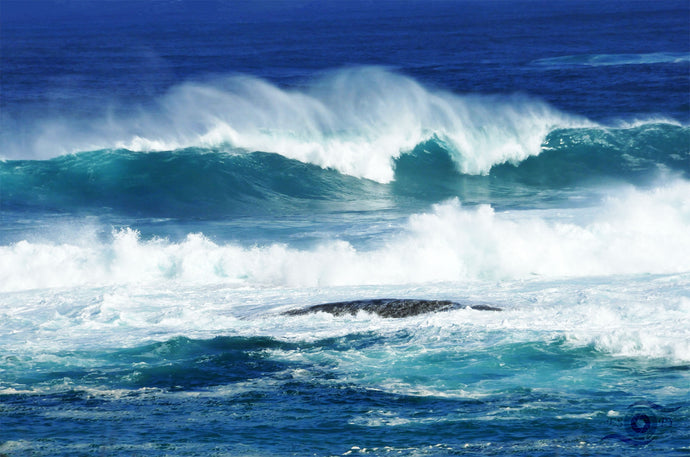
pixel 177 189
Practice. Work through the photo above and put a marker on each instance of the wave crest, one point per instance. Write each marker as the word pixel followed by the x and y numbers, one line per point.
pixel 356 121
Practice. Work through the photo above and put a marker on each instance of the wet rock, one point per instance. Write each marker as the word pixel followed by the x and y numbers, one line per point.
pixel 388 307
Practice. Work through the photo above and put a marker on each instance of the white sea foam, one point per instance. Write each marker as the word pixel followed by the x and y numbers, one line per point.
pixel 633 231
pixel 640 316
pixel 355 121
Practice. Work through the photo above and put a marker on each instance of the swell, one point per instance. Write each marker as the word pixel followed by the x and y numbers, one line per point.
pixel 568 158
pixel 211 183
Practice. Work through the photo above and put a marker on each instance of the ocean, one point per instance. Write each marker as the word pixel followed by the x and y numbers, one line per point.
pixel 183 183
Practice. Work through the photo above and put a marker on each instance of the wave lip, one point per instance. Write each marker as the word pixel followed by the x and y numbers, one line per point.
pixel 210 183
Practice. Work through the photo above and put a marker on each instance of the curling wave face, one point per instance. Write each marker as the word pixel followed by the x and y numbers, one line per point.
pixel 601 60
pixel 224 182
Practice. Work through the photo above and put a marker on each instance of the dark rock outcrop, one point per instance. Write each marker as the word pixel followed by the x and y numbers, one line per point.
pixel 388 307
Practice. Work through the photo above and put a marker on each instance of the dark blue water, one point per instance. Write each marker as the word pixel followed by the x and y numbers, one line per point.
pixel 176 174
pixel 134 51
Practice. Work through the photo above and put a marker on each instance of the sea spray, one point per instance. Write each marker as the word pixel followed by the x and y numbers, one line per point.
pixel 356 121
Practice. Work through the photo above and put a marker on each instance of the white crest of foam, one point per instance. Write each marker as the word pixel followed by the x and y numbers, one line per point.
pixel 356 121
pixel 633 231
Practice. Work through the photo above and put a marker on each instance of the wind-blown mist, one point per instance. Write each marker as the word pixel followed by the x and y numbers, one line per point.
pixel 355 121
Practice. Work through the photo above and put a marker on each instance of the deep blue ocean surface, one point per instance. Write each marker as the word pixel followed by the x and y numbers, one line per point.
pixel 176 175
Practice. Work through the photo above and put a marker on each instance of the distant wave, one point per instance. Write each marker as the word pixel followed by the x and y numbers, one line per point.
pixel 356 121
pixel 599 60
pixel 200 182
pixel 631 232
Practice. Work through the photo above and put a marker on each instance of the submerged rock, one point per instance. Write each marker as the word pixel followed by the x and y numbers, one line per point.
pixel 388 307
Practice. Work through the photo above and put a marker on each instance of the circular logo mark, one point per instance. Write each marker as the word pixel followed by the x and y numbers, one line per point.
pixel 641 423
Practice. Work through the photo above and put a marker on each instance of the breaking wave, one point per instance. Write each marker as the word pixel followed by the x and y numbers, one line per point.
pixel 632 232
pixel 356 121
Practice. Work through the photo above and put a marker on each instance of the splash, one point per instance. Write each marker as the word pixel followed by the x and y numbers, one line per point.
pixel 632 232
pixel 356 121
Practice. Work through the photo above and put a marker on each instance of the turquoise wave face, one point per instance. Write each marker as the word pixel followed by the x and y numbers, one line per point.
pixel 568 157
pixel 212 183
pixel 191 182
